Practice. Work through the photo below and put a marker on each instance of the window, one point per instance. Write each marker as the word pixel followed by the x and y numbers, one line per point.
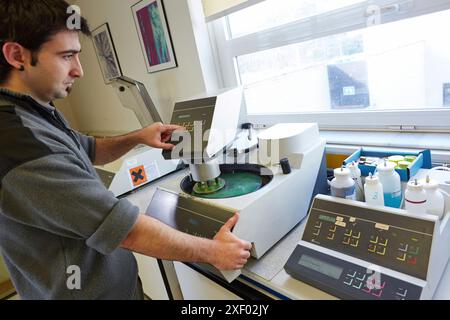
pixel 342 63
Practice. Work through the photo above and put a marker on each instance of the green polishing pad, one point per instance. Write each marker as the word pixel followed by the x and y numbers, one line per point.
pixel 236 184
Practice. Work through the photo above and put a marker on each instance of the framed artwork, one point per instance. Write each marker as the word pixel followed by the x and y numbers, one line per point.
pixel 154 35
pixel 106 53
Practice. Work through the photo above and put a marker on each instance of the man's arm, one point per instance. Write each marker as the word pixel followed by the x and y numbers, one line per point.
pixel 156 136
pixel 153 238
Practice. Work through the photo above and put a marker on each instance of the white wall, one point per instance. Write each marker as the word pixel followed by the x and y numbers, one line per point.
pixel 95 107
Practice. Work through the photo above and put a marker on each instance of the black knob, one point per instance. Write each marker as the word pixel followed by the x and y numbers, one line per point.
pixel 121 88
pixel 285 165
pixel 247 126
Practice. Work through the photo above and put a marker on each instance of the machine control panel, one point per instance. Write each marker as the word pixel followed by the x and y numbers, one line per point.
pixel 188 214
pixel 347 280
pixel 189 115
pixel 186 113
pixel 396 242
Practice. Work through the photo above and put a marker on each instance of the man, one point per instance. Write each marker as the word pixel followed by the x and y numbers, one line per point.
pixel 54 212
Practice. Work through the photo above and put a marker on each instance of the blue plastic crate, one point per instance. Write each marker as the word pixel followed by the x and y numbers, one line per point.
pixel 423 160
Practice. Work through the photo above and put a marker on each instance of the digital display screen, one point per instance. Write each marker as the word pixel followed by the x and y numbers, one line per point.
pixel 320 266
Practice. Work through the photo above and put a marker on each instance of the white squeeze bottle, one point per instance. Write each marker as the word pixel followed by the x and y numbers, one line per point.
pixel 373 191
pixel 342 185
pixel 390 179
pixel 356 176
pixel 435 199
pixel 415 197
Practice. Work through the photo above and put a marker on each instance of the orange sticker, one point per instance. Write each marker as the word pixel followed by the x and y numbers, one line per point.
pixel 138 176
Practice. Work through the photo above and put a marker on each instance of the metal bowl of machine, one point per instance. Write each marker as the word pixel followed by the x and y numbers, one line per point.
pixel 235 180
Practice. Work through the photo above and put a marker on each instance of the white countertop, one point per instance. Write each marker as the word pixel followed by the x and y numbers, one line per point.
pixel 282 282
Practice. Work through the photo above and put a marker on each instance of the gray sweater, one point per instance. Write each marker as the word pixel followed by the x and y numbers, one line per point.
pixel 56 217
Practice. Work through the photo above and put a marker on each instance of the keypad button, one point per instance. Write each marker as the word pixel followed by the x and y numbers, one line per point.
pixel 354 242
pixel 413 250
pixel 357 284
pixel 351 273
pixel 377 293
pixel 367 289
pixel 402 292
pixel 412 260
pixel 383 242
pixel 348 281
pixel 361 276
pixel 403 247
pixel 381 251
pixel 401 256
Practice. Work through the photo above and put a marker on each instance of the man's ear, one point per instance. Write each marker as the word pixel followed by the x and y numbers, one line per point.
pixel 14 54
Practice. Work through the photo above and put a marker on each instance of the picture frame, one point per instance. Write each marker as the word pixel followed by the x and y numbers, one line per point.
pixel 106 53
pixel 154 35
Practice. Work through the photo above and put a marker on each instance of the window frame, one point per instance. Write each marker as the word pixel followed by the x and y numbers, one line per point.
pixel 226 50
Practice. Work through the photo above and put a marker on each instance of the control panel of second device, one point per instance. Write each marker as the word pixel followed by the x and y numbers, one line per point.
pixel 397 243
pixel 345 279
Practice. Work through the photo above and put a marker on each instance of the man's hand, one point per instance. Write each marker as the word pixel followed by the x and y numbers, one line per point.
pixel 231 252
pixel 158 134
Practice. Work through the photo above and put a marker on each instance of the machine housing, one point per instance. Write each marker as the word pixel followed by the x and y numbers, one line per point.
pixel 267 214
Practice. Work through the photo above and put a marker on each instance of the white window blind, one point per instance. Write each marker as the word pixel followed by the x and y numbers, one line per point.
pixel 215 9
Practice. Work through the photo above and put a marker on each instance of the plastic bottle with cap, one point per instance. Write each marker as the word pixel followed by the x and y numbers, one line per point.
pixel 435 199
pixel 343 186
pixel 373 191
pixel 390 179
pixel 356 176
pixel 415 197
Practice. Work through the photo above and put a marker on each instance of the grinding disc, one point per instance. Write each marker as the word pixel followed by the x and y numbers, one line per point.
pixel 236 184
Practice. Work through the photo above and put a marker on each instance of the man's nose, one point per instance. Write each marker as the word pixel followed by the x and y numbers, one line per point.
pixel 77 69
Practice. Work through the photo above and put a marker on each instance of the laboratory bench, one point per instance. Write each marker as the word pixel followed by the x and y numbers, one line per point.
pixel 265 278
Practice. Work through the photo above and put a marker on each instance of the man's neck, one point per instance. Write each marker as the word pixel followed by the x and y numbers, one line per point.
pixel 22 90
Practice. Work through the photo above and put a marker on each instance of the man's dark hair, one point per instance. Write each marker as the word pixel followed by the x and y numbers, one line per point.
pixel 31 23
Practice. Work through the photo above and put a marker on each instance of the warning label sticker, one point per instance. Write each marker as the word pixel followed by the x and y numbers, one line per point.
pixel 138 176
